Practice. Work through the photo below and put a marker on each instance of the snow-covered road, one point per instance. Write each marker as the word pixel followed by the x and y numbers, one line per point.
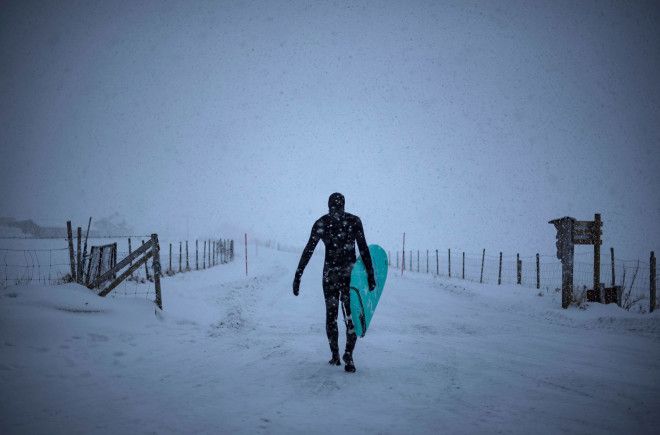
pixel 231 354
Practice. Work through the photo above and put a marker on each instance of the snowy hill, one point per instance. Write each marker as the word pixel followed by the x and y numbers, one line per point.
pixel 231 354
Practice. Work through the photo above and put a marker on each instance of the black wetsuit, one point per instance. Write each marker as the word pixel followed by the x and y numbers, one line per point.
pixel 339 231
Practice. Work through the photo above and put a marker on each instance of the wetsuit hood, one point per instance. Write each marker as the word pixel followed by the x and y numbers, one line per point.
pixel 336 203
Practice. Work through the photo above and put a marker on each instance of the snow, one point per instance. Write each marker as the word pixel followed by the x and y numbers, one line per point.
pixel 236 354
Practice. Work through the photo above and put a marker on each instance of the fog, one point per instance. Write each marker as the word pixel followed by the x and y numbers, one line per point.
pixel 466 125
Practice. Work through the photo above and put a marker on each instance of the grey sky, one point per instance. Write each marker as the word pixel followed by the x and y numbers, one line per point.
pixel 464 124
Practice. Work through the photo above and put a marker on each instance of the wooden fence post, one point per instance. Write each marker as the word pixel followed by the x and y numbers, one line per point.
pixel 156 266
pixel 483 257
pixel 114 258
pixel 596 231
pixel 518 269
pixel 180 246
pixel 499 273
pixel 130 251
pixel 389 254
pixel 418 261
pixel 449 261
pixel 72 261
pixel 209 251
pixel 463 266
pixel 566 253
pixel 427 261
pixel 437 263
pixel 79 275
pixel 146 268
pixel 204 256
pixel 187 262
pixel 196 254
pixel 100 262
pixel 652 283
pixel 538 272
pixel 223 259
pixel 169 269
pixel 246 257
pixel 612 260
pixel 397 259
pixel 84 256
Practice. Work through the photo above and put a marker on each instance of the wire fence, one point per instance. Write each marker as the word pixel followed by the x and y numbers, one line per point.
pixel 175 258
pixel 26 263
pixel 24 266
pixel 632 275
pixel 50 265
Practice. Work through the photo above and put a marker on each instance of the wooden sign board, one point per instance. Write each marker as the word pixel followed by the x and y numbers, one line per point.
pixel 572 232
pixel 586 233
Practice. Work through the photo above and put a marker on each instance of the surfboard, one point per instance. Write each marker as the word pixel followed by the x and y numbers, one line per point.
pixel 363 302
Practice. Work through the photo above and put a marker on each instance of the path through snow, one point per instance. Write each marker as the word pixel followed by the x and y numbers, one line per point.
pixel 241 355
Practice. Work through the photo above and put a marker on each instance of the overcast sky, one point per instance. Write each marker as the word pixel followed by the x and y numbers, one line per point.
pixel 467 125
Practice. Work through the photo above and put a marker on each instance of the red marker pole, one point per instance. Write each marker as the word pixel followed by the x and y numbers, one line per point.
pixel 246 263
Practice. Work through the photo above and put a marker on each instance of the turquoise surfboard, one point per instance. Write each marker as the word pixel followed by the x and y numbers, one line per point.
pixel 363 302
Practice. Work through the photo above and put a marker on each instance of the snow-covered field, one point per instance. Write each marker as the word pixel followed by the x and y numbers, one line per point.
pixel 231 354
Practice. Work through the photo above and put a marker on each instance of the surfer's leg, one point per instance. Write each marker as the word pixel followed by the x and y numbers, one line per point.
pixel 331 312
pixel 351 337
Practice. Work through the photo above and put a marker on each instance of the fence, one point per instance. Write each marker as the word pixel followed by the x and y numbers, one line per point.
pixel 23 266
pixel 535 271
pixel 183 256
pixel 27 262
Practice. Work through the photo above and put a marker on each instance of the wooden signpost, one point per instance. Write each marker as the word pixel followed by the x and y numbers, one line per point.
pixel 571 232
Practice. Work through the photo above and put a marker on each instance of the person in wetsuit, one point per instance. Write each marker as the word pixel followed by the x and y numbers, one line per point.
pixel 339 231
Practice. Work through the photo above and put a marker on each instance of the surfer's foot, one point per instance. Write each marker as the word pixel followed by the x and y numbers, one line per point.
pixel 348 363
pixel 334 361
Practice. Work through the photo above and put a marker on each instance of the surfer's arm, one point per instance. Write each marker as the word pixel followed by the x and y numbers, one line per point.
pixel 314 238
pixel 364 253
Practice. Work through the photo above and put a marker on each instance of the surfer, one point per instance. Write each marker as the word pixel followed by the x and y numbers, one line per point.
pixel 339 231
